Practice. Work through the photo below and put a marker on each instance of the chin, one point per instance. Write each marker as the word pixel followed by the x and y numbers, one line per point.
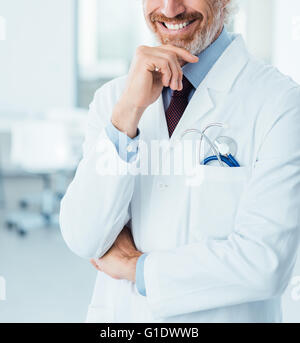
pixel 195 45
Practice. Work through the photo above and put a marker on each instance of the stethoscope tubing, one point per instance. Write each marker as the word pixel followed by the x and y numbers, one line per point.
pixel 229 160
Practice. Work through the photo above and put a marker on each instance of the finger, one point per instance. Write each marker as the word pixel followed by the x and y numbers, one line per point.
pixel 166 72
pixel 176 80
pixel 164 68
pixel 94 263
pixel 181 53
pixel 176 75
pixel 167 62
pixel 99 264
pixel 180 75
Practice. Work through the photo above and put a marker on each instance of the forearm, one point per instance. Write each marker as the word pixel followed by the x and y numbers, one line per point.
pixel 126 117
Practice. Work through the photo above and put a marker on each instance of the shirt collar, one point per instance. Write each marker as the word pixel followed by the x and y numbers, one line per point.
pixel 196 72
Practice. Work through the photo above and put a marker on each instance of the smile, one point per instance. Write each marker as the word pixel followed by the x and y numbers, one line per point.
pixel 176 27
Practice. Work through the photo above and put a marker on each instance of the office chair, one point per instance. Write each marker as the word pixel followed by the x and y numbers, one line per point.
pixel 2 193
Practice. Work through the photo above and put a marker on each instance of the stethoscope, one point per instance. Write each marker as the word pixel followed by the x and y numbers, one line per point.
pixel 224 148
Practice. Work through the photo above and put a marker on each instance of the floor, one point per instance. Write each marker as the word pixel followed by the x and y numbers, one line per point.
pixel 45 282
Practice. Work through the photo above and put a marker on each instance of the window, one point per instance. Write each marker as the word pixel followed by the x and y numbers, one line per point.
pixel 108 34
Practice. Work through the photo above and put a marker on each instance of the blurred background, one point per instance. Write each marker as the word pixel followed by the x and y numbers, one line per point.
pixel 54 54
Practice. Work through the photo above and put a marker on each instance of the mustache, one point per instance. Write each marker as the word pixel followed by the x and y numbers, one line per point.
pixel 180 17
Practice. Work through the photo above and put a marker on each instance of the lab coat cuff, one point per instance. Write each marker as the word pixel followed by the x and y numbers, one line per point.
pixel 151 279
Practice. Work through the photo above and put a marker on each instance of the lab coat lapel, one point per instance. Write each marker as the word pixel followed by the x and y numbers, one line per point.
pixel 220 78
pixel 193 112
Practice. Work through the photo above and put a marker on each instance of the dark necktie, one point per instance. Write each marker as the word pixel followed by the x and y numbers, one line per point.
pixel 178 104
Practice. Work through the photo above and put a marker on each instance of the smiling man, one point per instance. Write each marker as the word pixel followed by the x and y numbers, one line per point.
pixel 192 27
pixel 222 249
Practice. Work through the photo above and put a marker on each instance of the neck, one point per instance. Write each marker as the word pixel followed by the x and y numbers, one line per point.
pixel 182 63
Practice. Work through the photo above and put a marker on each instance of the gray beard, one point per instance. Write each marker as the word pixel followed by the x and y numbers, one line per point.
pixel 202 39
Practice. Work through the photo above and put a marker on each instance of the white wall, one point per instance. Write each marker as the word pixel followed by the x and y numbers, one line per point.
pixel 255 22
pixel 286 48
pixel 37 58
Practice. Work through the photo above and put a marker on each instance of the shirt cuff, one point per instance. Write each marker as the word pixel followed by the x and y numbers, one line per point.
pixel 139 275
pixel 127 147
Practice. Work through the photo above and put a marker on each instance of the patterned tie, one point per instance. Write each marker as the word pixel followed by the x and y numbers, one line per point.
pixel 178 104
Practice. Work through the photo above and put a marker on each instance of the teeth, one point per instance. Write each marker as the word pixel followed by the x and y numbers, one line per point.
pixel 177 26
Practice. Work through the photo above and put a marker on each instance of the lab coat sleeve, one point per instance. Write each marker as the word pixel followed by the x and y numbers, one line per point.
pixel 96 205
pixel 255 261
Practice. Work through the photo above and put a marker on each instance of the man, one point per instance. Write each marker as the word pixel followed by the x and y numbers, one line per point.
pixel 222 249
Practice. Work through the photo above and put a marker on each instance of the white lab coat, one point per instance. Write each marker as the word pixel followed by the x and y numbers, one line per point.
pixel 220 252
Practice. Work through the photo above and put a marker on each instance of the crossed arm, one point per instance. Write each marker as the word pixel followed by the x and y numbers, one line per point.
pixel 121 259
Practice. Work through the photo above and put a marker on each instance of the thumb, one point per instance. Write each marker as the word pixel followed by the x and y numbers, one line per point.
pixel 95 264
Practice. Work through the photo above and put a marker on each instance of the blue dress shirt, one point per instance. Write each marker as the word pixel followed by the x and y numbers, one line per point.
pixel 195 73
pixel 127 147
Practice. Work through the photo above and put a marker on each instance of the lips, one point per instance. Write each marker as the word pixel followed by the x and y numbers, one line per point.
pixel 176 27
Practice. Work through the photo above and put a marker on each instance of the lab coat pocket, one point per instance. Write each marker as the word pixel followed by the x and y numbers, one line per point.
pixel 214 201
